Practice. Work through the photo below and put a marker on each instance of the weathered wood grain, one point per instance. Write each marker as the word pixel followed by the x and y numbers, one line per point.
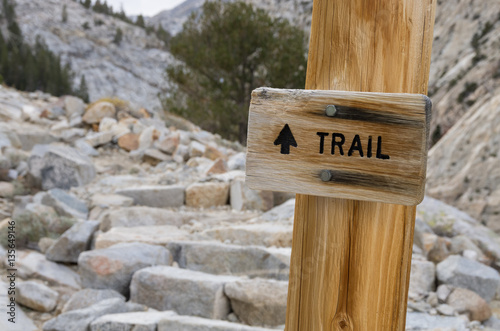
pixel 394 125
pixel 350 266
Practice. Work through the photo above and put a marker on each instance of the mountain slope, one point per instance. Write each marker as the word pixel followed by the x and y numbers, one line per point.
pixel 133 70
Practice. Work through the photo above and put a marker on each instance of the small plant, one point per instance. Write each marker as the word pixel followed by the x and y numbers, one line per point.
pixel 65 14
pixel 86 26
pixel 118 36
pixel 98 22
pixel 468 90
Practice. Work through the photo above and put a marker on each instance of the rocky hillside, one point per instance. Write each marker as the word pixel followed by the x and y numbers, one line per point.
pixel 125 221
pixel 296 11
pixel 133 70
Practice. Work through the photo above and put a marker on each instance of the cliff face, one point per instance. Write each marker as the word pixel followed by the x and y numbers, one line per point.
pixel 133 70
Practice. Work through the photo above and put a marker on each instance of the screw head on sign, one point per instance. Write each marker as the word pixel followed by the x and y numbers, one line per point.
pixel 331 110
pixel 325 175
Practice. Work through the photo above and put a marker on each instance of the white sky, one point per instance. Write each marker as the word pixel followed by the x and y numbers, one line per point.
pixel 144 7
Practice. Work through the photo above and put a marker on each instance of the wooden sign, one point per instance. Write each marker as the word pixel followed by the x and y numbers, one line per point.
pixel 354 145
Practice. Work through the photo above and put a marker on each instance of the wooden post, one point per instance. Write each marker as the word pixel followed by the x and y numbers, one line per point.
pixel 351 259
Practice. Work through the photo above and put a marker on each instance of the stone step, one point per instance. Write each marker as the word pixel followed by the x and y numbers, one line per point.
pixel 260 234
pixel 143 321
pixel 221 259
pixel 160 196
pixel 113 267
pixel 139 216
pixel 190 323
pixel 154 235
pixel 184 291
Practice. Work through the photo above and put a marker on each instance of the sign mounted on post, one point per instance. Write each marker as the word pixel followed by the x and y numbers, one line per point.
pixel 354 145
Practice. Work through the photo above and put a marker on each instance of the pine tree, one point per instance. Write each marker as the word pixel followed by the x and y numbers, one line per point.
pixel 118 36
pixel 87 4
pixel 140 21
pixel 83 90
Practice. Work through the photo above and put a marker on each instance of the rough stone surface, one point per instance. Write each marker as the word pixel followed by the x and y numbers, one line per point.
pixel 205 195
pixel 156 196
pixel 468 274
pixel 278 235
pixel 113 267
pixel 36 296
pixel 96 139
pixel 221 259
pixel 140 321
pixel 421 322
pixel 23 322
pixel 80 319
pixel 244 198
pixel 111 200
pixel 422 277
pixel 6 190
pixel 468 302
pixel 98 111
pixel 184 291
pixel 61 167
pixel 139 216
pixel 74 106
pixel 88 297
pixel 76 240
pixel 154 235
pixel 65 204
pixel 34 264
pixel 189 323
pixel 258 302
pixel 129 142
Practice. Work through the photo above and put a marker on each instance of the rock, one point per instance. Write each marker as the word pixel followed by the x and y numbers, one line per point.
pixel 96 112
pixel 443 291
pixel 422 277
pixel 113 267
pixel 422 321
pixel 85 148
pixel 461 243
pixel 213 153
pixel 146 138
pixel 258 302
pixel 108 124
pixel 6 190
pixel 218 167
pixel 76 240
pixel 65 204
pixel 284 212
pixel 237 162
pixel 470 254
pixel 205 195
pixel 154 235
pixel 468 274
pixel 61 167
pixel 74 106
pixel 22 321
pixel 96 139
pixel 88 297
pixel 446 310
pixel 190 323
pixel 80 319
pixel 154 157
pixel 36 296
pixel 243 198
pixel 129 142
pixel 184 291
pixel 260 234
pixel 196 149
pixel 468 302
pixel 156 196
pixel 493 323
pixel 139 216
pixel 439 250
pixel 221 259
pixel 432 299
pixel 143 321
pixel 110 200
pixel 34 265
pixel 169 144
pixel 45 243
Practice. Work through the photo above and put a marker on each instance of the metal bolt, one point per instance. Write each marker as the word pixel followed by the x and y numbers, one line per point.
pixel 331 110
pixel 325 175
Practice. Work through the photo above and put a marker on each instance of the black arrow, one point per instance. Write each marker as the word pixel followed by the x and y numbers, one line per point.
pixel 285 139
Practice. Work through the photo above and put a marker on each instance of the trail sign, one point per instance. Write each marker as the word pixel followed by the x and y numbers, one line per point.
pixel 351 258
pixel 365 146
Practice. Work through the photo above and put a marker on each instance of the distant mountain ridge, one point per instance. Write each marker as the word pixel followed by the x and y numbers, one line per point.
pixel 134 70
